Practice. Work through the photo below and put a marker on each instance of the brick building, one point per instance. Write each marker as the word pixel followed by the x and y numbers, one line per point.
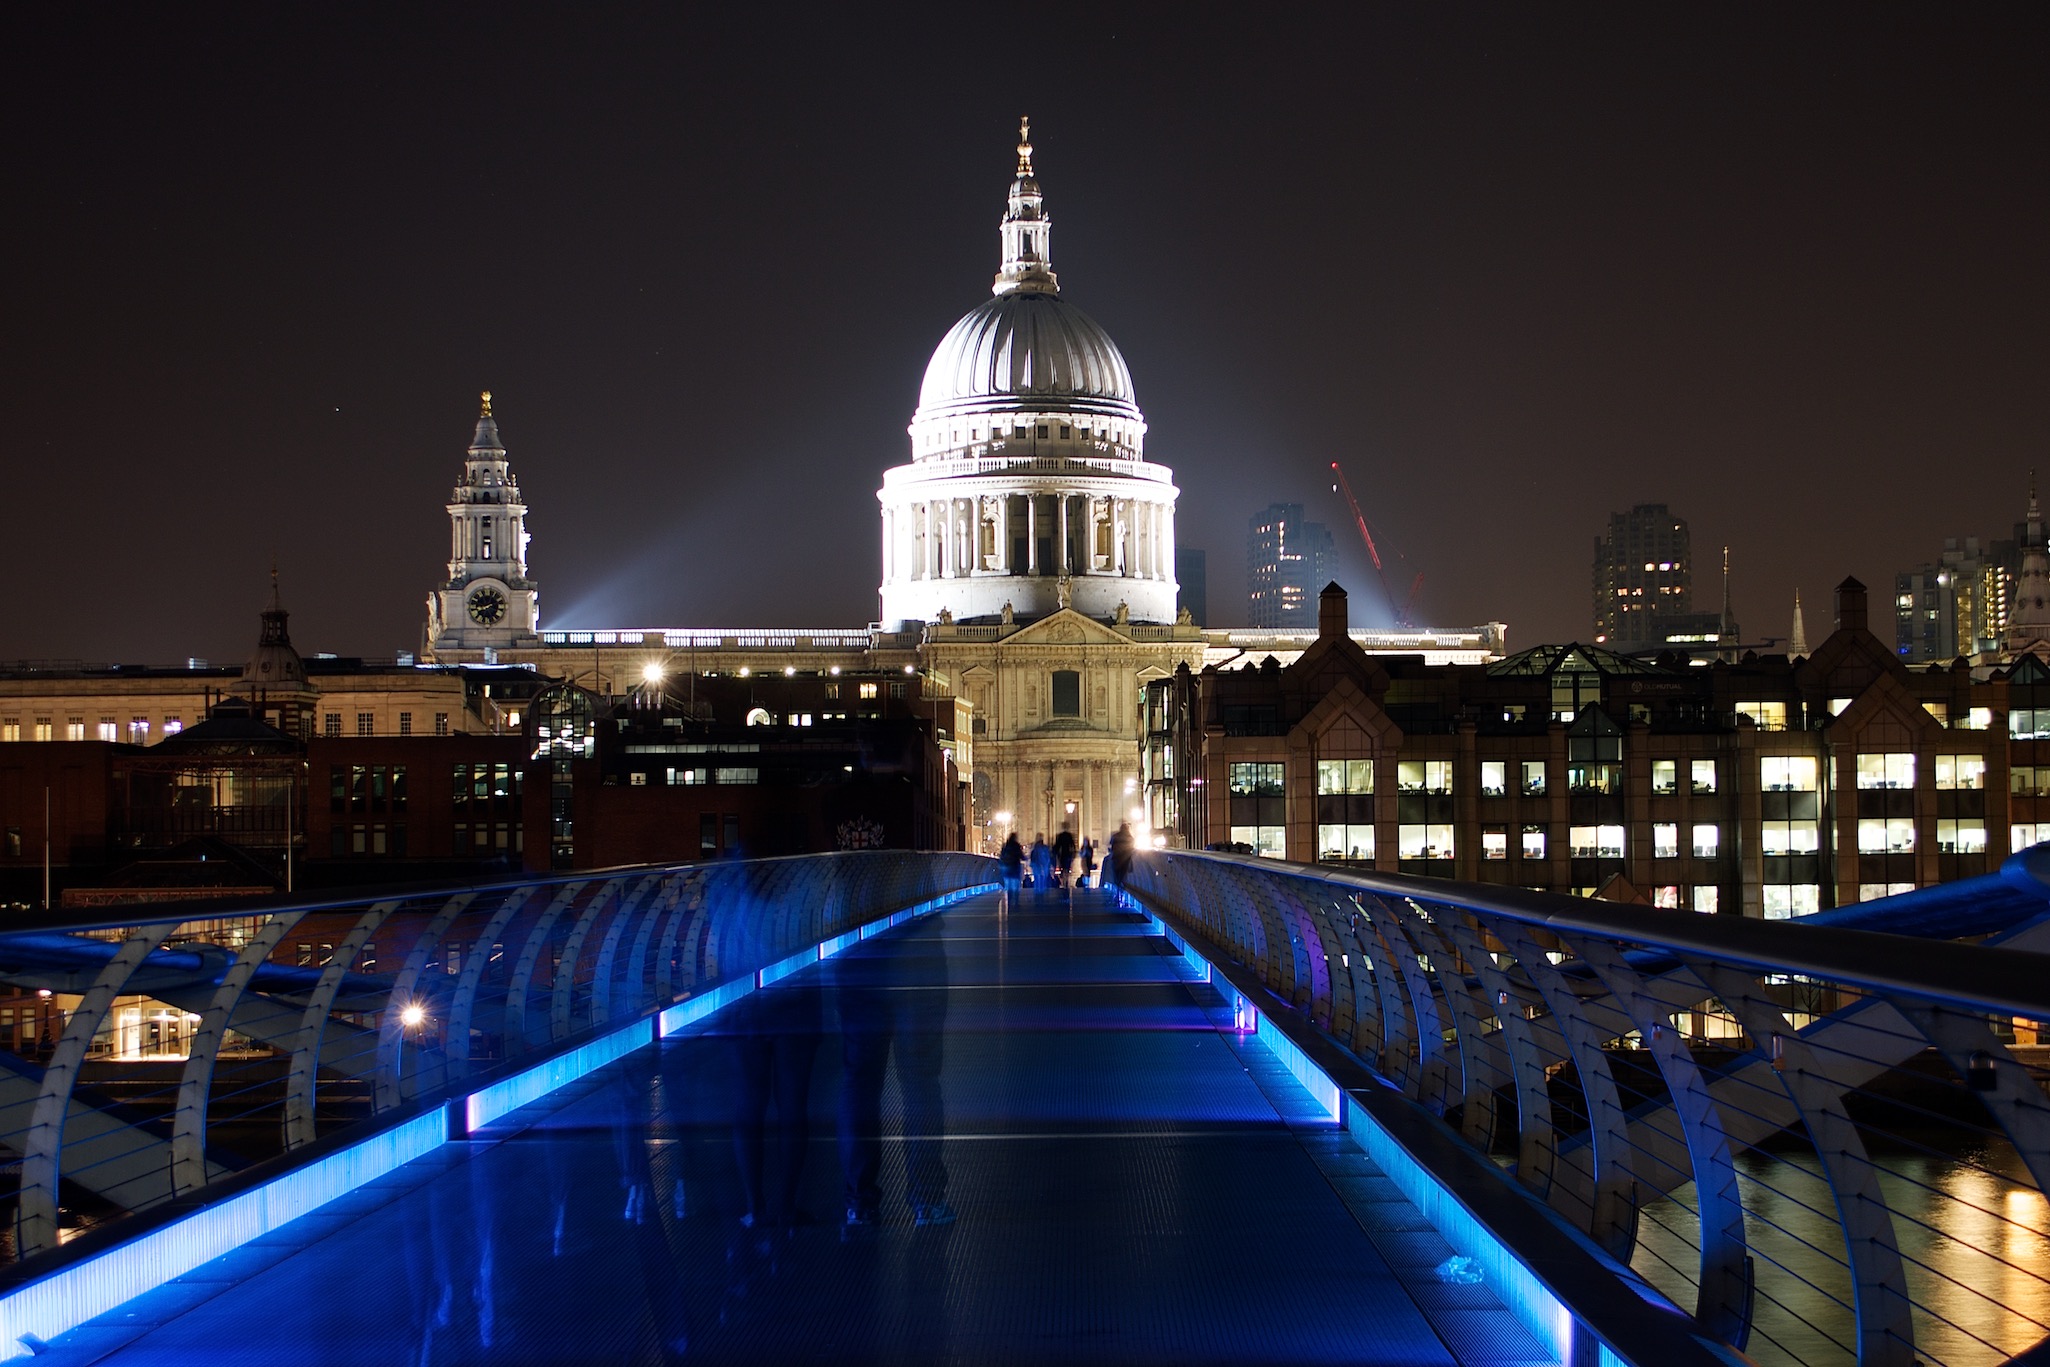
pixel 1764 786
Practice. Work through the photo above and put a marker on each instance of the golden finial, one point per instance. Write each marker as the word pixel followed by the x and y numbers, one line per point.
pixel 487 403
pixel 1025 147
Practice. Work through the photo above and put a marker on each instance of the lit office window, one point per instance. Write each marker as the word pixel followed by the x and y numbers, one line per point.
pixel 1890 835
pixel 1424 840
pixel 1595 842
pixel 1787 773
pixel 1960 772
pixel 1424 776
pixel 1961 837
pixel 1891 770
pixel 1791 899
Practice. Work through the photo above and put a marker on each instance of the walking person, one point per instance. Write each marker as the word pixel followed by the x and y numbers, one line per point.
pixel 1088 860
pixel 1042 865
pixel 1011 863
pixel 1120 864
pixel 1064 862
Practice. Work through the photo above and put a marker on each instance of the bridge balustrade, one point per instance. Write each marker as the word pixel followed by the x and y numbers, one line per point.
pixel 1827 1145
pixel 204 1047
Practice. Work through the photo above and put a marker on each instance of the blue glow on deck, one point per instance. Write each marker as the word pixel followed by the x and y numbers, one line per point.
pixel 783 968
pixel 686 1013
pixel 503 1097
pixel 72 1295
pixel 1517 1286
pixel 1515 1283
pixel 1315 1080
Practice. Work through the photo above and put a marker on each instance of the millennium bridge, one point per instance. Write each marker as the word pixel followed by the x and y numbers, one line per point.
pixel 861 1107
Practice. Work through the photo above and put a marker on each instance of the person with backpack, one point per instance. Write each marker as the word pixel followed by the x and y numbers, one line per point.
pixel 1064 861
pixel 1011 864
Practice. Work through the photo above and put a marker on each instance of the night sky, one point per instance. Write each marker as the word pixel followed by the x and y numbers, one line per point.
pixel 1780 267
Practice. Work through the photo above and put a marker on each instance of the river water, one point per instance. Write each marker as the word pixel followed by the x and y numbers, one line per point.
pixel 1972 1233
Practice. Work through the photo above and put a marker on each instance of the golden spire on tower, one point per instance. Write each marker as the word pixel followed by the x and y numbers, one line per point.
pixel 486 396
pixel 1025 147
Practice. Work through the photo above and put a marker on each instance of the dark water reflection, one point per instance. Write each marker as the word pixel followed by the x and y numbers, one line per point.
pixel 1972 1234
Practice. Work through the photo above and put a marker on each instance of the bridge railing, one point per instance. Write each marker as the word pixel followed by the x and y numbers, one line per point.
pixel 1825 1145
pixel 198 1043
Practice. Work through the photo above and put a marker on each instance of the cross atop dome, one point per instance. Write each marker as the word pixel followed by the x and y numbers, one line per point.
pixel 1026 230
pixel 486 439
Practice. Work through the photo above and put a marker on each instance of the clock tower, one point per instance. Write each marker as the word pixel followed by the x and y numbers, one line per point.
pixel 488 602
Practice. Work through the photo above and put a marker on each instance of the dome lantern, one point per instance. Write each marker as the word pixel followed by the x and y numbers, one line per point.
pixel 1026 231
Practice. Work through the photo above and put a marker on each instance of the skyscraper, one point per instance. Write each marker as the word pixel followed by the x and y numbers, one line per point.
pixel 1959 603
pixel 1288 561
pixel 1644 584
pixel 1192 582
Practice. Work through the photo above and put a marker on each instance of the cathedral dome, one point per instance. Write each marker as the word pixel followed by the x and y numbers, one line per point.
pixel 1026 351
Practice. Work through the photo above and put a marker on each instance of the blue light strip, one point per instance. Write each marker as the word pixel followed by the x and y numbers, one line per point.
pixel 1516 1285
pixel 1513 1282
pixel 1198 965
pixel 828 948
pixel 72 1295
pixel 1315 1080
pixel 690 1012
pixel 506 1096
pixel 776 972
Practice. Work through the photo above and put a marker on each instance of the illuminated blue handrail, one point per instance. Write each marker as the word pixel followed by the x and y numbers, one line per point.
pixel 1655 1078
pixel 432 1013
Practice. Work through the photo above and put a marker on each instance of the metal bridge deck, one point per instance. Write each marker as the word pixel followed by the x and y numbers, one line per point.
pixel 1132 1182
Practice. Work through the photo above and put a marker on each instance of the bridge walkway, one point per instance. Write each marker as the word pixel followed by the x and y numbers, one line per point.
pixel 1128 1181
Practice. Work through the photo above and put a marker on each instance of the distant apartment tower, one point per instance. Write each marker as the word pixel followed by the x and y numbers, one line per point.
pixel 1958 603
pixel 1288 561
pixel 1192 583
pixel 1644 585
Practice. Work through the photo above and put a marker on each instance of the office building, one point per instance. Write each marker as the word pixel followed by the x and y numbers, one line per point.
pixel 1288 560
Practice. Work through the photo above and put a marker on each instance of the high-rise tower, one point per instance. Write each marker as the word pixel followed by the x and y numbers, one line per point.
pixel 1644 585
pixel 1288 562
pixel 488 601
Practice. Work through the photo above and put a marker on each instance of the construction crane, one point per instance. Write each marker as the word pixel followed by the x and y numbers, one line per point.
pixel 1403 610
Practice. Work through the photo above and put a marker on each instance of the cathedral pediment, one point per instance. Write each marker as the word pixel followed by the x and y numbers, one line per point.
pixel 1067 628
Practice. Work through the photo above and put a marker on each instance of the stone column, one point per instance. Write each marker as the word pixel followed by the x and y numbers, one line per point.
pixel 1061 543
pixel 1032 533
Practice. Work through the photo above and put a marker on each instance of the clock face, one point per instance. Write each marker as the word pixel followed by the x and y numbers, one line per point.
pixel 487 607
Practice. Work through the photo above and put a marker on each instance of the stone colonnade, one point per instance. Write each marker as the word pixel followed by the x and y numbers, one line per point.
pixel 1036 794
pixel 1062 533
